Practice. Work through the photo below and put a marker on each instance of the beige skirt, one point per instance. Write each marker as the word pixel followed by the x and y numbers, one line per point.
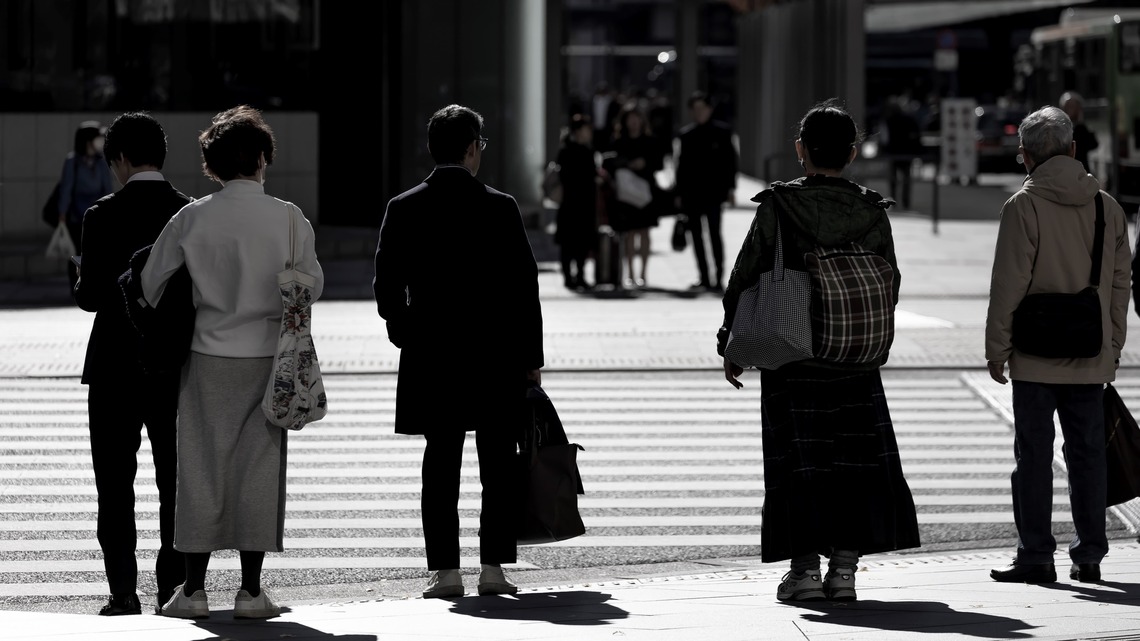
pixel 231 461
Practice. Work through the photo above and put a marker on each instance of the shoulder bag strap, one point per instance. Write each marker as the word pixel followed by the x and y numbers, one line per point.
pixel 292 264
pixel 778 265
pixel 1098 243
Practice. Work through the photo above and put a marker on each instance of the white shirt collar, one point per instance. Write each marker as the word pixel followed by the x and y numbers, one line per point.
pixel 463 167
pixel 146 175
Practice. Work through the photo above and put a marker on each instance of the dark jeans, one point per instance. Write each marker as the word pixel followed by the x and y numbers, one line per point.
pixel 1081 414
pixel 439 503
pixel 700 216
pixel 116 414
pixel 900 172
pixel 574 266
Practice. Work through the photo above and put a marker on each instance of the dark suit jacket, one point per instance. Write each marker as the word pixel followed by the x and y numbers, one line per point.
pixel 457 283
pixel 706 164
pixel 114 228
pixel 165 331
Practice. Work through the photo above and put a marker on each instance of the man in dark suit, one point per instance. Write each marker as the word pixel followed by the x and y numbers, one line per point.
pixel 706 179
pixel 120 398
pixel 457 283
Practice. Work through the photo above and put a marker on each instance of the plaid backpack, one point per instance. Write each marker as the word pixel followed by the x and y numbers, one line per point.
pixel 852 307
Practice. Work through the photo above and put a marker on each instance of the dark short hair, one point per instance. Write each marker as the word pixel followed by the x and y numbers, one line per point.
pixel 450 131
pixel 234 143
pixel 699 96
pixel 87 131
pixel 137 136
pixel 828 134
pixel 578 121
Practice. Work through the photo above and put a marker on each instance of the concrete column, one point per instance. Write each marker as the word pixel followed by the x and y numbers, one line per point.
pixel 555 76
pixel 688 62
pixel 524 104
pixel 793 55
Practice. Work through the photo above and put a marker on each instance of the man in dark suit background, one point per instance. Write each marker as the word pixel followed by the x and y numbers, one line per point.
pixel 120 398
pixel 457 283
pixel 706 179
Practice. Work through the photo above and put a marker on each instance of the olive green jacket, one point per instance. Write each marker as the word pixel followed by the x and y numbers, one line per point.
pixel 814 210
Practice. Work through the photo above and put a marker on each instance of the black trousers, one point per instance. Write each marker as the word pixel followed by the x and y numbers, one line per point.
pixel 439 503
pixel 117 413
pixel 699 216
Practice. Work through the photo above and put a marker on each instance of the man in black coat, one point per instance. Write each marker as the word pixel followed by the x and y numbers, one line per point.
pixel 457 283
pixel 706 179
pixel 120 397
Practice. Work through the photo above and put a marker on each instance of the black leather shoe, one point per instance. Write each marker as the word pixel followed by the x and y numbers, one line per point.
pixel 1019 573
pixel 1085 572
pixel 117 605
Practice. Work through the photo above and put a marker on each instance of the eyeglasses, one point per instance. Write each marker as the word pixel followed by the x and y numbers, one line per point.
pixel 482 143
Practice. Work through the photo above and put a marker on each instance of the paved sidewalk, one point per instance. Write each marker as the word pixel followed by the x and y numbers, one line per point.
pixel 904 596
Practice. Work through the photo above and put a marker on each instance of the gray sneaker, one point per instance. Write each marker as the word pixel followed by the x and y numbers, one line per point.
pixel 839 584
pixel 800 587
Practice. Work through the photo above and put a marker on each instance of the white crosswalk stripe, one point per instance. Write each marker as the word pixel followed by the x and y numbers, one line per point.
pixel 672 465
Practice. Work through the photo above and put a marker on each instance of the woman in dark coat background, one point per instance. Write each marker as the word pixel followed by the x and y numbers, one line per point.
pixel 635 148
pixel 577 225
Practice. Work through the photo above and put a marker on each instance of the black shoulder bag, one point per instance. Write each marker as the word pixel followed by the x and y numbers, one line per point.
pixel 1064 325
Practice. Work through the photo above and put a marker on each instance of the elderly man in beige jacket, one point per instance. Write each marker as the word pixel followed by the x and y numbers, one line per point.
pixel 1045 244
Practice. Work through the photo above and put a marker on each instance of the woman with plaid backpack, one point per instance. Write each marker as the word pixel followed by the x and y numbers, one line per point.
pixel 833 481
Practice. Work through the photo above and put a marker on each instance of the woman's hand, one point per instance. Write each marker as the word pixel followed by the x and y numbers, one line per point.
pixel 731 371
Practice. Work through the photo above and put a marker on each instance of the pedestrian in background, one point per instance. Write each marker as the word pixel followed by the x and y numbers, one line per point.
pixel 576 230
pixel 634 148
pixel 83 179
pixel 121 399
pixel 231 460
pixel 706 180
pixel 449 219
pixel 833 481
pixel 902 144
pixel 1044 243
pixel 1074 107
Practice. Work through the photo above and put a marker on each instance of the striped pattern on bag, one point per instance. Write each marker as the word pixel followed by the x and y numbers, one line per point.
pixel 853 311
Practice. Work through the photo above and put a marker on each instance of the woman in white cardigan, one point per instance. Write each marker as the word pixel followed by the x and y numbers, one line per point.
pixel 231 460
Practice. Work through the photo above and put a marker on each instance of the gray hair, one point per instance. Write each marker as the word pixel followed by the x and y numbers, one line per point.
pixel 1045 133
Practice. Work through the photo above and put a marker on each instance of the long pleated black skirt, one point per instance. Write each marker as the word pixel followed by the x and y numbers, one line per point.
pixel 832 475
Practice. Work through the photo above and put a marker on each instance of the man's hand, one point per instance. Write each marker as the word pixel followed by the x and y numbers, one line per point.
pixel 731 371
pixel 997 371
pixel 534 375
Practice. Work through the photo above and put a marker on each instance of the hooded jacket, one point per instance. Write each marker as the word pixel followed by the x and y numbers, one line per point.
pixel 820 211
pixel 1044 244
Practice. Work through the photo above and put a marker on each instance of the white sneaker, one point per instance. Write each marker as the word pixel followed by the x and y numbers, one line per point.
pixel 254 607
pixel 493 581
pixel 444 584
pixel 181 606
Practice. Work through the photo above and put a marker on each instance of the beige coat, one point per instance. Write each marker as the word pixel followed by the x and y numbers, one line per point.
pixel 1044 244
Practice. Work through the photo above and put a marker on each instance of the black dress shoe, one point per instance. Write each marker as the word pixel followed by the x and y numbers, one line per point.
pixel 1023 573
pixel 117 605
pixel 1085 572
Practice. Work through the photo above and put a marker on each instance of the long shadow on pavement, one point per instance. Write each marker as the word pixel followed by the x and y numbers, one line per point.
pixel 1112 592
pixel 227 629
pixel 563 608
pixel 930 617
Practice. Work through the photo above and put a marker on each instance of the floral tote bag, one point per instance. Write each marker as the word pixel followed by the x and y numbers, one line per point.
pixel 295 395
